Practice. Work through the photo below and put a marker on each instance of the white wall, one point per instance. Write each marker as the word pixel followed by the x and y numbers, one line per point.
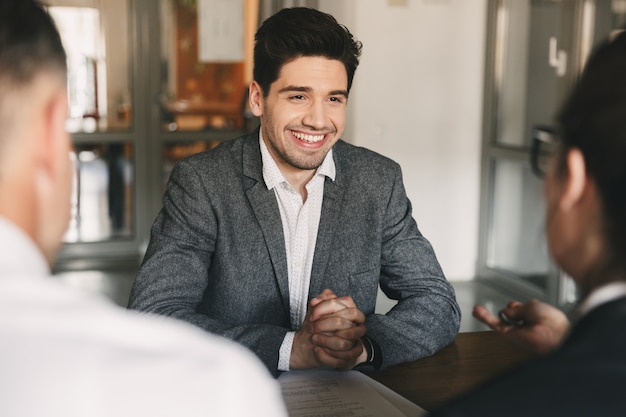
pixel 417 98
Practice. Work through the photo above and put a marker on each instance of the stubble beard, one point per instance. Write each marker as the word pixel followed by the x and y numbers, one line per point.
pixel 304 163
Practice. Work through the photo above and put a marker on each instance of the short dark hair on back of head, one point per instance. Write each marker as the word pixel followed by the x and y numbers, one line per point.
pixel 299 31
pixel 29 42
pixel 593 120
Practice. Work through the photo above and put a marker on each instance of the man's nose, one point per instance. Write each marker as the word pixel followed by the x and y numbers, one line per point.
pixel 315 116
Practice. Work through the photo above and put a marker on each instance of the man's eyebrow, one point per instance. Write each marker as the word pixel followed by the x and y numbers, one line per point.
pixel 295 88
pixel 339 93
pixel 304 89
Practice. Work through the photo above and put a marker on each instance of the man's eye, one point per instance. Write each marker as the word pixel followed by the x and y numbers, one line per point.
pixel 297 97
pixel 336 99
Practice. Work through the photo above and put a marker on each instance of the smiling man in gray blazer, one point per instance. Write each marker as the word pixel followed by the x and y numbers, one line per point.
pixel 280 239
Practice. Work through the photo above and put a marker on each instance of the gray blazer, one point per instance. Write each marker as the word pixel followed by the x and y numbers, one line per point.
pixel 217 258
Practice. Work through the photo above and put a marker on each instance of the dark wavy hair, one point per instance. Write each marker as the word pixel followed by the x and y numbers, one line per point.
pixel 299 31
pixel 593 120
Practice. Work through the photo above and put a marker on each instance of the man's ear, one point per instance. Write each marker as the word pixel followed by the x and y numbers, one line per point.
pixel 56 139
pixel 255 98
pixel 53 174
pixel 576 180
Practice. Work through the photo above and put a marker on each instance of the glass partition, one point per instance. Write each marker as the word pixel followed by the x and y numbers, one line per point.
pixel 102 198
pixel 96 38
pixel 529 61
pixel 532 60
pixel 536 50
pixel 517 241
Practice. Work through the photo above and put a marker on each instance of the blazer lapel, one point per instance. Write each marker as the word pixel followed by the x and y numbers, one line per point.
pixel 265 207
pixel 329 222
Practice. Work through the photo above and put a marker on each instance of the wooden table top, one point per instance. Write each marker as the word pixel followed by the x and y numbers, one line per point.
pixel 472 358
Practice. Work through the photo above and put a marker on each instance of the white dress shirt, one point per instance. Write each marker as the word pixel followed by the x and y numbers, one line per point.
pixel 300 223
pixel 602 295
pixel 66 353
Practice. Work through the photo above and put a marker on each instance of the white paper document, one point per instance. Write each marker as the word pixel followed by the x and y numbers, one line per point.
pixel 328 393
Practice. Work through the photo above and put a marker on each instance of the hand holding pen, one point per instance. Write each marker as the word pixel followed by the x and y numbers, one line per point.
pixel 534 325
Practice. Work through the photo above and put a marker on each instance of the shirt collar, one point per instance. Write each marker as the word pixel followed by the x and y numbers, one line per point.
pixel 18 253
pixel 272 175
pixel 604 294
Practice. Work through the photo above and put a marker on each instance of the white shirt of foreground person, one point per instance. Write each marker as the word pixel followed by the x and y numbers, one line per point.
pixel 66 353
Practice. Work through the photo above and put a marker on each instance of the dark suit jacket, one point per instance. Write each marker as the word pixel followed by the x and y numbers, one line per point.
pixel 585 377
pixel 217 258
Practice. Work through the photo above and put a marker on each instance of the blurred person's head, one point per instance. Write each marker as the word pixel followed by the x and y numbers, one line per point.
pixel 35 166
pixel 586 189
pixel 301 32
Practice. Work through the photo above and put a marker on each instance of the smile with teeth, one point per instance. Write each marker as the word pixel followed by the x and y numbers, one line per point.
pixel 308 138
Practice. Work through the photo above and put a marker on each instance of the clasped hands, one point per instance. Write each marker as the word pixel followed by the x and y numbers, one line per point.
pixel 330 335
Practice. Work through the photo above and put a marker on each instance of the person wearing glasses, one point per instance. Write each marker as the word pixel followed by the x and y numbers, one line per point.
pixel 64 352
pixel 582 371
pixel 281 238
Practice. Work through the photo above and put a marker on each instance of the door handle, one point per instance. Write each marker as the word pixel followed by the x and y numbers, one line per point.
pixel 557 58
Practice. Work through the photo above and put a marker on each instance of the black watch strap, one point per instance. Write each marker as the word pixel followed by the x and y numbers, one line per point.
pixel 374 355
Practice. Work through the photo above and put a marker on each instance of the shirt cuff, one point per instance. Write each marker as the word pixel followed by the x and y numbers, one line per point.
pixel 284 355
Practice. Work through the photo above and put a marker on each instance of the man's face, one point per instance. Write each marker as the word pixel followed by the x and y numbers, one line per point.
pixel 304 113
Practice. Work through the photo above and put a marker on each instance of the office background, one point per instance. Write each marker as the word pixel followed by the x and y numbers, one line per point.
pixel 448 88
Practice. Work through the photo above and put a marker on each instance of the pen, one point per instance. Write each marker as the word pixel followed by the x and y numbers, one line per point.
pixel 508 321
